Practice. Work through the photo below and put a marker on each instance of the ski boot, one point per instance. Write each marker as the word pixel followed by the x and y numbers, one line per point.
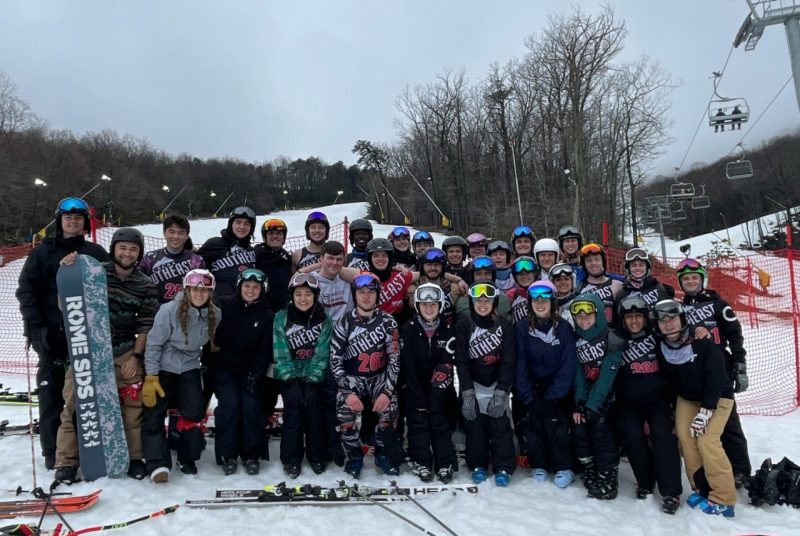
pixel 187 468
pixel 49 461
pixel 137 469
pixel 478 475
pixel 715 509
pixel 539 474
pixel 670 505
pixel 386 465
pixel 291 470
pixel 642 493
pixel 252 466
pixel 607 488
pixel 160 475
pixel 319 467
pixel 695 499
pixel 353 467
pixel 563 478
pixel 502 478
pixel 67 475
pixel 422 471
pixel 589 477
pixel 445 475
pixel 229 466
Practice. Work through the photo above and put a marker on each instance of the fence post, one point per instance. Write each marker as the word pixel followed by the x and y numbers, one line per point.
pixel 605 235
pixel 790 257
pixel 93 224
pixel 346 237
pixel 751 289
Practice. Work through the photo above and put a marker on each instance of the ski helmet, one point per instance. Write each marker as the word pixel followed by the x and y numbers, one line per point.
pixel 452 241
pixel 422 236
pixel 253 274
pixel 542 290
pixel 318 217
pixel 593 249
pixel 429 293
pixel 199 278
pixel 545 244
pixel 523 264
pixel 72 205
pixel 484 262
pixel 379 244
pixel 243 212
pixel 563 268
pixel 499 245
pixel 636 254
pixel 477 239
pixel 360 225
pixel 273 224
pixel 570 231
pixel 483 289
pixel 692 266
pixel 633 304
pixel 369 281
pixel 667 309
pixel 399 232
pixel 521 232
pixel 127 234
pixel 299 279
pixel 434 255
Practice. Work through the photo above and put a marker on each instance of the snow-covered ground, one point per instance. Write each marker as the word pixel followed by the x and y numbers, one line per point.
pixel 525 507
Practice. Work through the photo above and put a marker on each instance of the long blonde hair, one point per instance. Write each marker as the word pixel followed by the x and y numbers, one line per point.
pixel 183 316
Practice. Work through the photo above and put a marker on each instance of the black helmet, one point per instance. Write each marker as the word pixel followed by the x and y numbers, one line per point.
pixel 318 217
pixel 451 241
pixel 499 245
pixel 669 308
pixel 570 231
pixel 72 205
pixel 379 244
pixel 246 213
pixel 360 225
pixel 253 274
pixel 127 234
pixel 633 304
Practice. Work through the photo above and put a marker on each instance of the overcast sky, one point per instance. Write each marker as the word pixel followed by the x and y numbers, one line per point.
pixel 261 79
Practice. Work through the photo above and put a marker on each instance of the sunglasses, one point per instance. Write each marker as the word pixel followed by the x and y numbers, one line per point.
pixel 434 255
pixel 428 295
pixel 482 290
pixel 636 254
pixel 72 204
pixel 300 279
pixel 423 236
pixel 274 225
pixel 199 279
pixel 482 263
pixel 245 212
pixel 582 307
pixel 523 264
pixel 591 249
pixel 400 232
pixel 368 281
pixel 539 293
pixel 317 216
pixel 522 230
pixel 252 274
pixel 691 264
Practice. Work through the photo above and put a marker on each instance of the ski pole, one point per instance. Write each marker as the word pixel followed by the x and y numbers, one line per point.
pixel 40 494
pixel 98 528
pixel 354 488
pixel 397 490
pixel 30 413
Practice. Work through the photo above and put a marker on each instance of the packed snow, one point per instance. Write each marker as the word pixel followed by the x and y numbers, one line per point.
pixel 525 507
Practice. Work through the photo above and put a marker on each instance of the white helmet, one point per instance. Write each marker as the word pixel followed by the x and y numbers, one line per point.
pixel 429 293
pixel 545 244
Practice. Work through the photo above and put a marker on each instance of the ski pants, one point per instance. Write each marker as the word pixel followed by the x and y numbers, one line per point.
pixel 50 382
pixel 485 435
pixel 704 454
pixel 238 419
pixel 596 440
pixel 387 443
pixel 656 460
pixel 735 444
pixel 547 441
pixel 185 392
pixel 430 438
pixel 328 392
pixel 303 429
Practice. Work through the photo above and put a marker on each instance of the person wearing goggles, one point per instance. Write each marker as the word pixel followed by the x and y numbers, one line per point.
pixel 477 243
pixel 400 237
pixel 522 239
pixel 639 281
pixel 166 266
pixel 317 231
pixel 421 242
pixel 275 261
pixel 593 262
pixel 433 263
pixel 244 338
pixel 172 367
pixel 564 278
pixel 643 396
pixel 43 326
pixel 483 271
pixel 426 356
pixel 570 240
pixel 713 317
pixel 524 271
pixel 485 362
pixel 599 352
pixel 301 350
pixel 500 252
pixel 231 252
pixel 695 369
pixel 546 363
pixel 365 362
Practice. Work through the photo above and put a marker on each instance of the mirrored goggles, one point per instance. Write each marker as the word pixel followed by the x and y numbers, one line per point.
pixel 316 215
pixel 482 290
pixel 539 293
pixel 423 236
pixel 73 204
pixel 689 264
pixel 400 232
pixel 198 279
pixel 582 307
pixel 244 212
pixel 523 264
pixel 369 281
pixel 482 263
pixel 434 255
pixel 562 269
pixel 274 225
pixel 667 309
pixel 252 274
pixel 591 249
pixel 522 230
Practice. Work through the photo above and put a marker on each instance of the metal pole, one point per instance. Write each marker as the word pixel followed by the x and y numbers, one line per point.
pixel 35 202
pixel 173 200
pixel 426 195
pixel 793 38
pixel 516 180
pixel 725 222
pixel 223 204
pixel 663 242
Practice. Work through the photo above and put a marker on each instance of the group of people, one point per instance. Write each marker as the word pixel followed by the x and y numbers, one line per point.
pixel 529 346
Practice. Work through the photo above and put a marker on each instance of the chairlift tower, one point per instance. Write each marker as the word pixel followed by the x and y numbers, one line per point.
pixel 765 13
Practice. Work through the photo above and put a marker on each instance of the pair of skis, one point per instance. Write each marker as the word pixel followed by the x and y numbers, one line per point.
pixel 60 530
pixel 35 507
pixel 7 429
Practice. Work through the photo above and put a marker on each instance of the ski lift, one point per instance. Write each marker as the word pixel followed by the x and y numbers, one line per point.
pixel 740 168
pixel 678 211
pixel 701 201
pixel 727 110
pixel 680 190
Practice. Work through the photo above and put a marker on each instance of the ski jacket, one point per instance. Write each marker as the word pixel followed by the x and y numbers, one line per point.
pixel 335 295
pixel 709 310
pixel 277 265
pixel 166 270
pixel 168 348
pixel 301 351
pixel 406 258
pixel 546 361
pixel 393 292
pixel 702 378
pixel 640 379
pixel 608 290
pixel 485 352
pixel 365 348
pixel 225 256
pixel 426 361
pixel 132 305
pixel 244 336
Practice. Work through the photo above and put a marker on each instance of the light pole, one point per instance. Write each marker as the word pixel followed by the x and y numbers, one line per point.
pixel 338 193
pixel 285 199
pixel 37 182
pixel 106 204
pixel 165 188
pixel 725 223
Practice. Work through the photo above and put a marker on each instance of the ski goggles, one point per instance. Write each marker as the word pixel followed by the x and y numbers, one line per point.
pixel 274 225
pixel 423 236
pixel 690 265
pixel 316 215
pixel 540 293
pixel 434 255
pixel 591 249
pixel 636 254
pixel 482 263
pixel 482 290
pixel 666 309
pixel 476 239
pixel 428 294
pixel 400 232
pixel 198 278
pixel 561 269
pixel 582 307
pixel 299 279
pixel 522 230
pixel 568 231
pixel 523 264
pixel 367 280
pixel 72 204
pixel 243 212
pixel 252 274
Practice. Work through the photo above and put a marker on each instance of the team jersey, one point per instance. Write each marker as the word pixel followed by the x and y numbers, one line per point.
pixel 307 258
pixel 365 348
pixel 519 304
pixel 590 356
pixel 485 353
pixel 607 291
pixel 358 261
pixel 302 339
pixel 394 290
pixel 335 295
pixel 166 270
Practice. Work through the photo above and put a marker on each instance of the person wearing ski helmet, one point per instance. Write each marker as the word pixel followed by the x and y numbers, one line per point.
pixel 426 356
pixel 545 252
pixel 639 281
pixel 360 234
pixel 456 249
pixel 400 237
pixel 477 243
pixel 546 363
pixel 643 396
pixel 301 346
pixel 599 351
pixel 695 369
pixel 132 305
pixel 317 231
pixel 564 278
pixel 231 252
pixel 485 363
pixel 483 271
pixel 275 261
pixel 173 377
pixel 500 252
pixel 522 239
pixel 166 266
pixel 43 325
pixel 712 316
pixel 244 339
pixel 593 262
pixel 570 241
pixel 432 264
pixel 421 242
pixel 524 271
pixel 365 362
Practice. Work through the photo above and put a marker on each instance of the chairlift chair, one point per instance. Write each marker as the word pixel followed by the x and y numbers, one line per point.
pixel 728 111
pixel 739 169
pixel 701 200
pixel 681 190
pixel 678 215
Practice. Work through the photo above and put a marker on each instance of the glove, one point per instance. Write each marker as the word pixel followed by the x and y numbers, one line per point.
pixel 151 389
pixel 498 405
pixel 592 416
pixel 700 422
pixel 740 381
pixel 469 406
pixel 38 340
pixel 252 385
pixel 292 394
pixel 311 397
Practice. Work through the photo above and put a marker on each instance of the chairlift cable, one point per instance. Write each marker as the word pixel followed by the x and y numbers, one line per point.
pixel 753 124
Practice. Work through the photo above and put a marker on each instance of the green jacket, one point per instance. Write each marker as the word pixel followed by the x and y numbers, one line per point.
pixel 288 368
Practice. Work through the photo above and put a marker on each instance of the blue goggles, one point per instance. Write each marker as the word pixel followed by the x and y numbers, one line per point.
pixel 423 236
pixel 401 232
pixel 434 255
pixel 539 293
pixel 522 230
pixel 482 263
pixel 72 204
pixel 369 281
pixel 317 216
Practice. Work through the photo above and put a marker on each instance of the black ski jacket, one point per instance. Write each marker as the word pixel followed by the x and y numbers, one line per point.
pixel 277 264
pixel 244 335
pixel 424 360
pixel 485 352
pixel 225 256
